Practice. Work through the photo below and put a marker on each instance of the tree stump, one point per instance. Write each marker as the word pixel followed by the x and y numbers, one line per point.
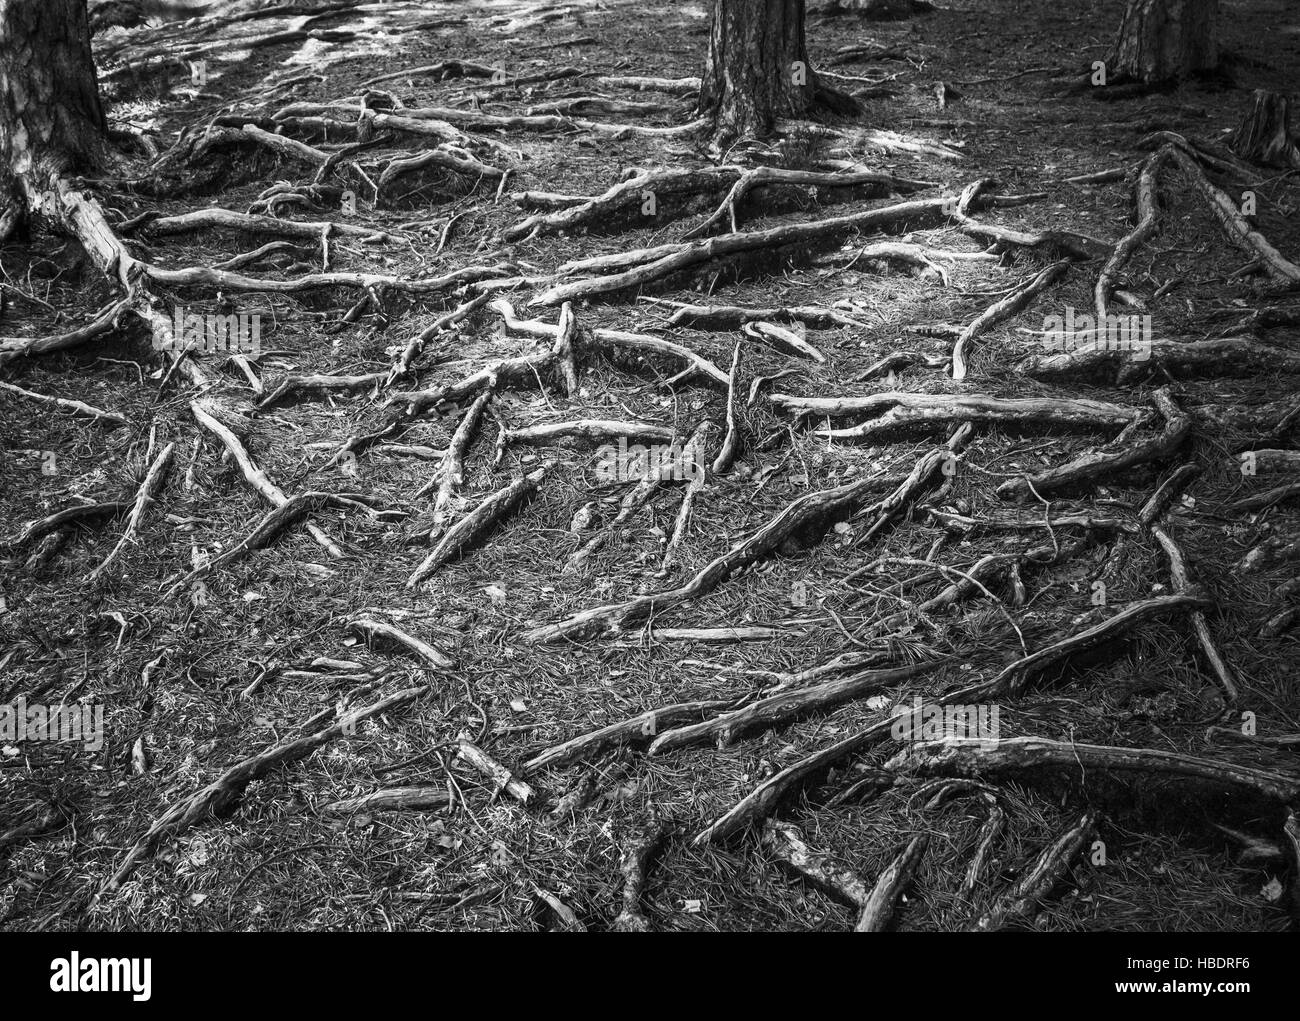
pixel 1165 40
pixel 1264 134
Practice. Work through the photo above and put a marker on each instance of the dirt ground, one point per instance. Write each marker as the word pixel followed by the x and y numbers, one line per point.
pixel 169 670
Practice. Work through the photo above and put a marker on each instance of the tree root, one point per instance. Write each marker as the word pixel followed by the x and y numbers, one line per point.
pixel 693 457
pixel 1093 465
pixel 1225 356
pixel 731 440
pixel 420 798
pixel 1021 900
pixel 637 729
pixel 589 429
pixel 732 317
pixel 253 475
pixel 652 264
pixel 149 487
pixel 226 219
pixel 60 520
pixel 1235 225
pixel 905 409
pixel 787 842
pixel 472 528
pixel 224 792
pixel 786 706
pixel 807 514
pixel 415 346
pixel 880 903
pixel 500 777
pixel 76 407
pixel 1182 583
pixel 1003 309
pixel 450 475
pixel 786 341
pixel 372 629
pixel 978 758
pixel 1148 212
pixel 634 864
pixel 760 802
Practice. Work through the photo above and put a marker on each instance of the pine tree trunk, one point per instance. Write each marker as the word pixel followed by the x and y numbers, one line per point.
pixel 51 121
pixel 757 69
pixel 1165 40
pixel 1264 135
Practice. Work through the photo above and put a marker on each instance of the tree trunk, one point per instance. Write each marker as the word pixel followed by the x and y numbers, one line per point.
pixel 1164 40
pixel 757 69
pixel 51 121
pixel 1264 135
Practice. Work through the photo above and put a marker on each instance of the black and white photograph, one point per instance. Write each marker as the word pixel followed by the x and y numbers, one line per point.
pixel 773 466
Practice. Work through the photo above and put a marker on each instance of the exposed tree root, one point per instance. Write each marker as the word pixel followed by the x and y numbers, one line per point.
pixel 1236 226
pixel 1021 900
pixel 450 475
pixel 223 793
pixel 636 498
pixel 731 317
pixel 900 360
pixel 634 864
pixel 291 386
pixel 1269 552
pixel 149 487
pixel 1148 212
pixel 785 706
pixel 415 346
pixel 641 343
pixel 254 475
pixel 372 629
pixel 979 758
pixel 1004 309
pixel 472 528
pixel 764 176
pixel 759 803
pixel 787 842
pixel 880 903
pixel 226 219
pixel 694 457
pixel 731 440
pixel 60 520
pixel 500 777
pixel 589 429
pixel 76 407
pixel 905 409
pixel 652 264
pixel 785 341
pixel 1182 583
pixel 640 729
pixel 421 798
pixel 1090 466
pixel 807 514
pixel 1225 356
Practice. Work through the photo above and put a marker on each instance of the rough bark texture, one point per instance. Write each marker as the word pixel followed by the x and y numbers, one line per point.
pixel 50 114
pixel 1264 134
pixel 1163 40
pixel 757 70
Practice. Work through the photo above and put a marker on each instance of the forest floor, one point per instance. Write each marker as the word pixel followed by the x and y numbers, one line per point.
pixel 194 678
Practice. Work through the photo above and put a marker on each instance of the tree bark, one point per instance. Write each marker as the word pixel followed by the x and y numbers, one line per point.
pixel 757 70
pixel 1264 134
pixel 51 120
pixel 1165 40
